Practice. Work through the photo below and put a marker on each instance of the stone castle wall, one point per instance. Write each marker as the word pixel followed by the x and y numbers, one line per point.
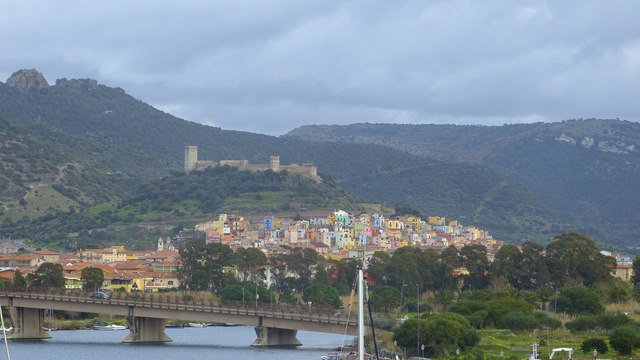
pixel 192 163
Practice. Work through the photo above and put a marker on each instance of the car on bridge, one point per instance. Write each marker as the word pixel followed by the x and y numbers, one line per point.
pixel 100 295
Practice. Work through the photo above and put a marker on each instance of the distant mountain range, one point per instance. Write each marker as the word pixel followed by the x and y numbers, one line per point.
pixel 587 171
pixel 108 133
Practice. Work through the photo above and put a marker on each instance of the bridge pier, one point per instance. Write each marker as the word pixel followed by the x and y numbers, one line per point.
pixel 27 323
pixel 146 330
pixel 268 336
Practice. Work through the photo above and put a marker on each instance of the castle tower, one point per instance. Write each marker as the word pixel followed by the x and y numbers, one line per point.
pixel 190 158
pixel 274 163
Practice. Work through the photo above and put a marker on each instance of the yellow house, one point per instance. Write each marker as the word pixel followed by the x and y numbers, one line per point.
pixel 135 255
pixel 46 255
pixel 394 225
pixel 129 282
pixel 415 222
pixel 161 281
pixel 623 271
pixel 72 281
pixel 114 254
pixel 436 220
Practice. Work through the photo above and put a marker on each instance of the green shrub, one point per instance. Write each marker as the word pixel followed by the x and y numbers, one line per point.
pixel 624 339
pixel 594 344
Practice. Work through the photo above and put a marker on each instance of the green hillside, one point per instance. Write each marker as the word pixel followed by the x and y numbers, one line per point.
pixel 225 189
pixel 188 197
pixel 45 171
pixel 374 173
pixel 587 171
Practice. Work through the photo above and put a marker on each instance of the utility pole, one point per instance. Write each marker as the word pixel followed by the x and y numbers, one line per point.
pixel 418 338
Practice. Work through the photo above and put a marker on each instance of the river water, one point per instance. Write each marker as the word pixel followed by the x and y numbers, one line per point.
pixel 188 343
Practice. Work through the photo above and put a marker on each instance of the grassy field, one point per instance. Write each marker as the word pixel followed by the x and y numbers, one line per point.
pixel 40 201
pixel 518 346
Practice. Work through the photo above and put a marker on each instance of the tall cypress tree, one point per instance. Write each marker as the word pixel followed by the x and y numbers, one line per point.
pixel 635 278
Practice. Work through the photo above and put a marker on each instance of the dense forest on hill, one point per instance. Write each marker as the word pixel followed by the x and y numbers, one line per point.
pixel 587 171
pixel 200 194
pixel 57 171
pixel 96 113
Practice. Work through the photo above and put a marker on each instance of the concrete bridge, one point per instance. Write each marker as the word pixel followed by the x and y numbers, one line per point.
pixel 147 315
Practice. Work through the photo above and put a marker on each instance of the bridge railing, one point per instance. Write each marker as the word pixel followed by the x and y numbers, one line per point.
pixel 186 301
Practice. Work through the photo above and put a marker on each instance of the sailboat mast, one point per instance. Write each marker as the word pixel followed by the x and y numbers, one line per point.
pixel 360 314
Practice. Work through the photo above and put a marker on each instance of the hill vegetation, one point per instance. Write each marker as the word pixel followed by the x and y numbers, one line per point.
pixel 585 170
pixel 45 171
pixel 121 125
pixel 183 197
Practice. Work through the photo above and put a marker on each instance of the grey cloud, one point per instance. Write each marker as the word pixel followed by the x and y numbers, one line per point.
pixel 271 66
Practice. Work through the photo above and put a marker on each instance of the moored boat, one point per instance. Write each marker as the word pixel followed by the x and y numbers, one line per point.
pixel 110 327
pixel 197 325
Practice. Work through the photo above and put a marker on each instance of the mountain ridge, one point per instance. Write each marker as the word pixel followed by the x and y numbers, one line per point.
pixel 584 169
pixel 372 172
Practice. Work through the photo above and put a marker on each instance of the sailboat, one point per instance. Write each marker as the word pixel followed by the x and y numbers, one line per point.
pixel 4 334
pixel 360 355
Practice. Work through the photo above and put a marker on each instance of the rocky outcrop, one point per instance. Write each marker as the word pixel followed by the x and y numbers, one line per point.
pixel 78 84
pixel 27 80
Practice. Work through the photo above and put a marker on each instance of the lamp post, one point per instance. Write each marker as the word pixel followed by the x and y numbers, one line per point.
pixel 418 337
pixel 257 296
pixel 401 296
pixel 243 294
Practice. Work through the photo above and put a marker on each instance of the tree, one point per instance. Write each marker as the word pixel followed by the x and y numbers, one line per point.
pixel 533 267
pixel 377 269
pixel 449 260
pixel 624 340
pixel 544 295
pixel 507 264
pixel 245 291
pixel 617 291
pixel 293 269
pixel 346 270
pixel 91 278
pixel 573 259
pixel 251 263
pixel 430 269
pixel 474 258
pixel 404 268
pixel 441 334
pixel 322 277
pixel 384 297
pixel 524 269
pixel 635 278
pixel 48 275
pixel 577 300
pixel 18 279
pixel 444 298
pixel 321 295
pixel 202 265
pixel 594 344
pixel 499 308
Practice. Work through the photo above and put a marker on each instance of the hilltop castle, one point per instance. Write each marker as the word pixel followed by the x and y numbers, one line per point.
pixel 191 163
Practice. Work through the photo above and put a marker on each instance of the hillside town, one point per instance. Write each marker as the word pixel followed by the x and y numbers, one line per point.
pixel 339 234
pixel 336 235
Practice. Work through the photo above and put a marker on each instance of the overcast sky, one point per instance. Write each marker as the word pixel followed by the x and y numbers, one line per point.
pixel 269 66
